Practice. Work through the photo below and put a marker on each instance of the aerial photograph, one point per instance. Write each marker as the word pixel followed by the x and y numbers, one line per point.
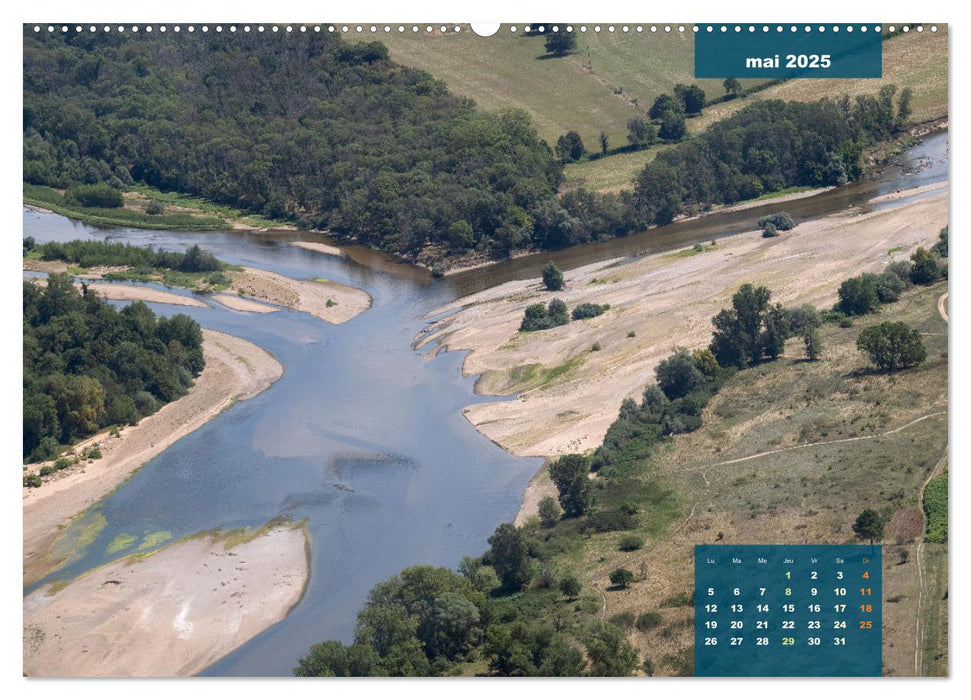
pixel 403 350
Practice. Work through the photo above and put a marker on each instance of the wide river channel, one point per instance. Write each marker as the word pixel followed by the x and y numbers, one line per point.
pixel 363 436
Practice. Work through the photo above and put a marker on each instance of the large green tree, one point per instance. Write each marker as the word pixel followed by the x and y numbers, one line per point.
pixel 571 475
pixel 892 345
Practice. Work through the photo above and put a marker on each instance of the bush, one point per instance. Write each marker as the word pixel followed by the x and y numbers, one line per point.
pixel 630 543
pixel 858 296
pixel 101 196
pixel 587 310
pixel 624 620
pixel 62 463
pixel 900 268
pixel 154 209
pixel 217 279
pixel 648 621
pixel 678 375
pixel 552 277
pixel 781 220
pixel 47 470
pixel 549 511
pixel 570 586
pixel 769 231
pixel 622 577
pixel 611 521
pixel 924 269
pixel 538 317
pixel 888 287
pixel 32 481
pixel 595 347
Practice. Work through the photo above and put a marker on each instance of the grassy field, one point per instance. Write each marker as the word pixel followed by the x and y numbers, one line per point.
pixel 791 451
pixel 607 81
pixel 613 77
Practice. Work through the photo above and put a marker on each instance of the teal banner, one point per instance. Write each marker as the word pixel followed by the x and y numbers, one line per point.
pixel 788 51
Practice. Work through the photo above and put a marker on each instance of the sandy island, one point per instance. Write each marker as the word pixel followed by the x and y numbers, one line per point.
pixel 318 247
pixel 235 370
pixel 172 613
pixel 569 394
pixel 238 303
pixel 331 301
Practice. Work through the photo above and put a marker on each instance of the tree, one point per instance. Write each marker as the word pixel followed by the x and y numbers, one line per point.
pixel 569 147
pixel 678 375
pixel 858 296
pixel 903 107
pixel 460 235
pixel 732 86
pixel 672 125
pixel 334 659
pixel 869 525
pixel 560 43
pixel 570 474
pixel 570 586
pixel 892 345
pixel 549 511
pixel 924 269
pixel 663 103
pixel 622 577
pixel 640 133
pixel 940 248
pixel 813 343
pixel 552 277
pixel 610 651
pixel 604 143
pixel 510 558
pixel 691 97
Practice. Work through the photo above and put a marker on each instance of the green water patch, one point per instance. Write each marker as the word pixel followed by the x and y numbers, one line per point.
pixel 121 542
pixel 154 540
pixel 75 539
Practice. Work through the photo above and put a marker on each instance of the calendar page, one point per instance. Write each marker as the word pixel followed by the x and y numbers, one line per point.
pixel 364 347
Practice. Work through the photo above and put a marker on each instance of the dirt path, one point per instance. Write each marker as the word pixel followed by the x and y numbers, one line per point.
pixel 922 592
pixel 814 444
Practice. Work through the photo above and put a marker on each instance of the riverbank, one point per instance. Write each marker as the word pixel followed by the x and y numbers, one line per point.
pixel 130 292
pixel 572 379
pixel 172 613
pixel 235 370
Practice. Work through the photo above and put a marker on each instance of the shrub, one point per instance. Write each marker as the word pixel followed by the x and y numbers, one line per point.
pixel 781 220
pixel 924 269
pixel 631 334
pixel 549 511
pixel 552 277
pixel 154 209
pixel 145 403
pixel 47 470
pixel 62 463
pixel 100 195
pixel 595 347
pixel 858 296
pixel 622 577
pixel 32 481
pixel 630 543
pixel 678 375
pixel 611 521
pixel 770 230
pixel 900 268
pixel 588 310
pixel 648 621
pixel 570 586
pixel 537 317
pixel 624 620
pixel 888 287
pixel 217 279
pixel 813 343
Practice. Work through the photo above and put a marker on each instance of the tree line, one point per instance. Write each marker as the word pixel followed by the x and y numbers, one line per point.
pixel 337 136
pixel 88 366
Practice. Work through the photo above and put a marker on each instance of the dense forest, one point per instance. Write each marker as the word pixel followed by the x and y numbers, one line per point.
pixel 308 128
pixel 88 366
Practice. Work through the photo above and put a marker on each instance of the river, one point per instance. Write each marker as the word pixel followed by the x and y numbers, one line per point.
pixel 363 436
